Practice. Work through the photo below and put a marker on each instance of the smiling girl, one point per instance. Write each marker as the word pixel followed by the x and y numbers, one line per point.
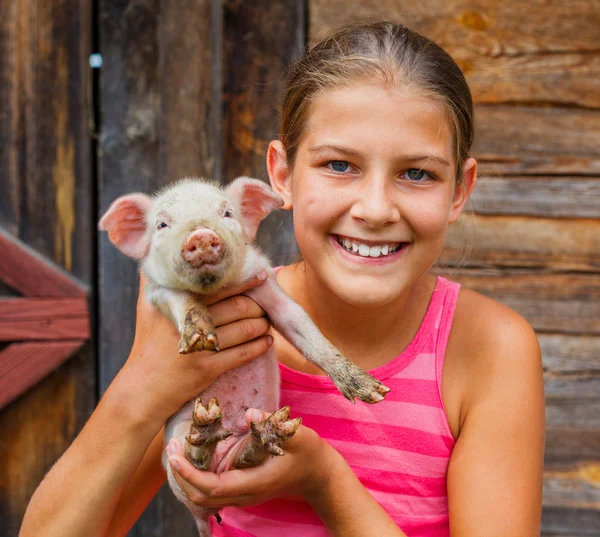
pixel 374 161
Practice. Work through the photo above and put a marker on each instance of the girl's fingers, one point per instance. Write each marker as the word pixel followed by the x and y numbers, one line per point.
pixel 259 279
pixel 242 331
pixel 235 308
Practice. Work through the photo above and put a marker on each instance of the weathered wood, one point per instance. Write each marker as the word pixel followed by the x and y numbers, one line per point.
pixel 571 444
pixel 41 319
pixel 561 303
pixel 24 364
pixel 260 39
pixel 511 241
pixel 506 56
pixel 521 140
pixel 567 354
pixel 576 487
pixel 46 201
pixel 189 50
pixel 559 521
pixel 30 273
pixel 568 197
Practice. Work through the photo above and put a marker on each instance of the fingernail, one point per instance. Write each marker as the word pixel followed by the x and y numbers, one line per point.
pixel 174 463
pixel 169 449
pixel 270 340
pixel 262 275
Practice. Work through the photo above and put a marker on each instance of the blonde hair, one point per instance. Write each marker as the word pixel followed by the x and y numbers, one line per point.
pixel 396 56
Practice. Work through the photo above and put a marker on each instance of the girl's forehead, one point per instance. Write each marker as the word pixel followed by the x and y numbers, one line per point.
pixel 366 113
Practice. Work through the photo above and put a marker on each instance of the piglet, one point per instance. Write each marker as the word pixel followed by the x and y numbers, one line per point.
pixel 193 239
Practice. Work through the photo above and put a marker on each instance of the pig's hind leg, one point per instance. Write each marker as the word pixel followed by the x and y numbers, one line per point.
pixel 206 431
pixel 266 438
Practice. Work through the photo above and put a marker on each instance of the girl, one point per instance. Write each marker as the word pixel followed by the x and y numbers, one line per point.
pixel 374 160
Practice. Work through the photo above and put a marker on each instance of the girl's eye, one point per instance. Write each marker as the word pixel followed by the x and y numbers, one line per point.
pixel 416 174
pixel 161 225
pixel 339 166
pixel 228 214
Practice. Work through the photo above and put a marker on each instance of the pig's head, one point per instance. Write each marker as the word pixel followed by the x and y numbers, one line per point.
pixel 193 234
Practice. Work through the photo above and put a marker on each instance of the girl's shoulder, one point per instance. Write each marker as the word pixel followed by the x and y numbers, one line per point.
pixel 492 352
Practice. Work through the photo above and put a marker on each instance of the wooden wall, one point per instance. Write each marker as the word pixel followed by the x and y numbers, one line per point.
pixel 188 87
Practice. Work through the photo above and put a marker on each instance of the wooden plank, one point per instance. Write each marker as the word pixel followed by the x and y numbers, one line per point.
pixel 571 522
pixel 515 241
pixel 523 140
pixel 549 55
pixel 260 39
pixel 190 92
pixel 43 319
pixel 24 364
pixel 567 354
pixel 577 487
pixel 26 309
pixel 46 201
pixel 559 303
pixel 27 271
pixel 572 443
pixel 570 197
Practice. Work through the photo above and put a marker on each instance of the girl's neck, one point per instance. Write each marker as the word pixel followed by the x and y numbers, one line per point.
pixel 369 336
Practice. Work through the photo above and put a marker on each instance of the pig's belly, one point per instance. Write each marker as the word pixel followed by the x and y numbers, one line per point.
pixel 253 385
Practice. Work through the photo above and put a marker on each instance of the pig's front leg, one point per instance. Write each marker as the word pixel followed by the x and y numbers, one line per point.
pixel 291 321
pixel 189 315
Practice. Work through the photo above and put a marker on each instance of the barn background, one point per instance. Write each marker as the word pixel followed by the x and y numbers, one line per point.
pixel 188 87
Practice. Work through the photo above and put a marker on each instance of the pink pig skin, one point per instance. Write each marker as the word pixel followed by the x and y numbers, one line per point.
pixel 159 232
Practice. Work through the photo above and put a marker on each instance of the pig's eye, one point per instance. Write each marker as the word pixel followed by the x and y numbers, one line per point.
pixel 161 225
pixel 228 214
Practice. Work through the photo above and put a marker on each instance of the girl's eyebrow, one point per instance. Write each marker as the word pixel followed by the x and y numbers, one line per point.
pixel 355 153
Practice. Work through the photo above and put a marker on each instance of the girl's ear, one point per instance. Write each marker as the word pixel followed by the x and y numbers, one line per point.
pixel 463 191
pixel 279 172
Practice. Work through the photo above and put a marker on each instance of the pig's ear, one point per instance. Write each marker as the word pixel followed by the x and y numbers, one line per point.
pixel 125 222
pixel 256 200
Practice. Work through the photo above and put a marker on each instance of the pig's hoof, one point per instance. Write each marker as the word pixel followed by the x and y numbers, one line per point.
pixel 353 382
pixel 198 333
pixel 205 432
pixel 275 430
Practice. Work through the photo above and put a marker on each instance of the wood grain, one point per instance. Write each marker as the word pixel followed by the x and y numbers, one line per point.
pixel 554 197
pixel 515 241
pixel 24 364
pixel 31 274
pixel 260 39
pixel 46 201
pixel 550 54
pixel 560 303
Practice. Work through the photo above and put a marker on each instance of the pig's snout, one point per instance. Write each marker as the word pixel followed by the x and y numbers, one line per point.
pixel 201 247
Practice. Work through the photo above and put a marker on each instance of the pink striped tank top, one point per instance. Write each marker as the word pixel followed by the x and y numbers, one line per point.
pixel 399 448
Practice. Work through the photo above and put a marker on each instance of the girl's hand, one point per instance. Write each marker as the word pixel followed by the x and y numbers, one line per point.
pixel 304 471
pixel 156 380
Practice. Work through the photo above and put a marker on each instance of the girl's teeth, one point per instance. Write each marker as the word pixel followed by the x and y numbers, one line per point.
pixel 385 250
pixel 348 243
pixel 375 251
pixel 363 250
pixel 355 247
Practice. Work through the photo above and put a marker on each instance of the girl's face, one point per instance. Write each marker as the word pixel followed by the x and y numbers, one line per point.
pixel 373 190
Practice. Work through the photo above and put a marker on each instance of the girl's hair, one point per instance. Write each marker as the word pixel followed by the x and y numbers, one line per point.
pixel 393 54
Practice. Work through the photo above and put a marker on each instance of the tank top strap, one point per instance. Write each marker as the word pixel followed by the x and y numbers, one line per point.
pixel 444 304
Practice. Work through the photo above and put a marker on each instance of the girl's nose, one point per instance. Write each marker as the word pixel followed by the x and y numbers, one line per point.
pixel 375 205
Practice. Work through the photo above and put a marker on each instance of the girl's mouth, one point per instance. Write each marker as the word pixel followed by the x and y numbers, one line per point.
pixel 359 249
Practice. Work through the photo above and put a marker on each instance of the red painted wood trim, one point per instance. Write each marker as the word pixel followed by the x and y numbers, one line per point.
pixel 29 309
pixel 29 273
pixel 24 364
